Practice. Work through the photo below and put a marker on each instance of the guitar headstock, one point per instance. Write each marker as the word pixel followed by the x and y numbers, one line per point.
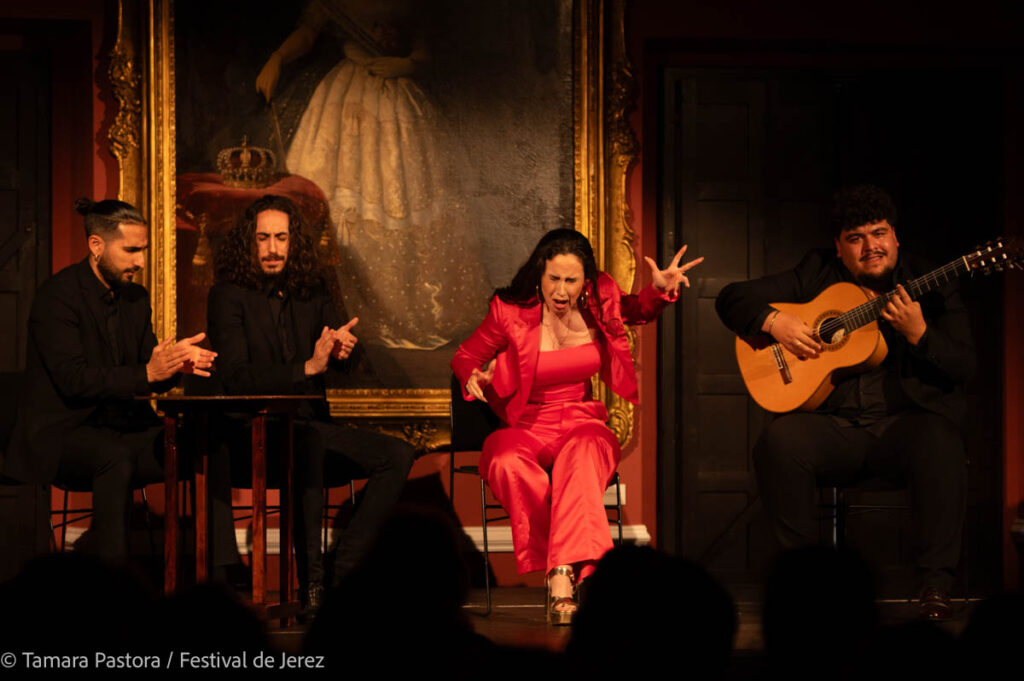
pixel 997 255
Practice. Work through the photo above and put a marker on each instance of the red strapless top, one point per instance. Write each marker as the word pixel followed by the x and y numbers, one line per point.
pixel 564 375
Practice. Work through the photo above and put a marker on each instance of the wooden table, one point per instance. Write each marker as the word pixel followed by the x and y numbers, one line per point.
pixel 259 407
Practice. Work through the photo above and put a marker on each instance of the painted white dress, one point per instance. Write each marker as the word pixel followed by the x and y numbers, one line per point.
pixel 410 264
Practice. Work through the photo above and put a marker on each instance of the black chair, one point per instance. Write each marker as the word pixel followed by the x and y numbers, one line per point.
pixel 70 516
pixel 11 384
pixel 471 422
pixel 328 507
pixel 838 508
pixel 839 503
pixel 236 429
pixel 24 508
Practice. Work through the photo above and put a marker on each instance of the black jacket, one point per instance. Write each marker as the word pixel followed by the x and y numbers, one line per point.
pixel 932 374
pixel 250 358
pixel 72 377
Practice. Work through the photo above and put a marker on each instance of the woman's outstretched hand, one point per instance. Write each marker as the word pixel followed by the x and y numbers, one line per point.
pixel 667 280
pixel 479 380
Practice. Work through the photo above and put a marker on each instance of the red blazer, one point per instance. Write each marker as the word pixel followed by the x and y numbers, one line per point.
pixel 513 334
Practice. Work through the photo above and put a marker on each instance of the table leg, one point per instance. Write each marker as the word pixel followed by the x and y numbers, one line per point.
pixel 259 509
pixel 202 518
pixel 287 519
pixel 170 502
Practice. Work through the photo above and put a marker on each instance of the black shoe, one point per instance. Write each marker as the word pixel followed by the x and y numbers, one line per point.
pixel 935 605
pixel 237 576
pixel 312 599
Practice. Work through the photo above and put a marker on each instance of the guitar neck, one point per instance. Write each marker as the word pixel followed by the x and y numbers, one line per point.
pixel 872 310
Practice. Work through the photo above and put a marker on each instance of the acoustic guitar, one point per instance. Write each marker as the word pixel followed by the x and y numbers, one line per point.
pixel 844 320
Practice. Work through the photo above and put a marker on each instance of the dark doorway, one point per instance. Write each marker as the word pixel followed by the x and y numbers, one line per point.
pixel 748 161
pixel 24 196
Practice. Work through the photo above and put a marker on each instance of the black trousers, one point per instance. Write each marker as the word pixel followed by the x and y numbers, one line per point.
pixel 799 452
pixel 325 454
pixel 110 464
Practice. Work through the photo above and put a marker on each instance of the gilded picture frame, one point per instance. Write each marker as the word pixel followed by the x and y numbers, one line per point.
pixel 142 138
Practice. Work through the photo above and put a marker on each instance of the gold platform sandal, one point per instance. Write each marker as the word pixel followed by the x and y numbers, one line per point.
pixel 561 608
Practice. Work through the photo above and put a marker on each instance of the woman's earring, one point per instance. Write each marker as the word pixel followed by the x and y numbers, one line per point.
pixel 538 293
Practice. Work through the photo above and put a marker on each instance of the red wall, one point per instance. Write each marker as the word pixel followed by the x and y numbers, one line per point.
pixel 75 33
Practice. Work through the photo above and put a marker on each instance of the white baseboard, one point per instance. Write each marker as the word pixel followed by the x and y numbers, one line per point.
pixel 499 538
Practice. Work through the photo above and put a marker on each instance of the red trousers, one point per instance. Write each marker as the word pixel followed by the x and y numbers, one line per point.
pixel 550 472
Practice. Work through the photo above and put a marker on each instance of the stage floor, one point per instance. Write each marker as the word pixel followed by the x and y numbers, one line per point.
pixel 517 619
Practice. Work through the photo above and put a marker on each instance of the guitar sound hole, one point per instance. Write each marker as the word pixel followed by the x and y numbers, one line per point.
pixel 831 331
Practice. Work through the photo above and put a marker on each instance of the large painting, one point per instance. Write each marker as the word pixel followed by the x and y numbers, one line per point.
pixel 429 144
pixel 426 141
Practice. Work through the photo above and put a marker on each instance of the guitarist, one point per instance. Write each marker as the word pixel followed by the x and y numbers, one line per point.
pixel 900 420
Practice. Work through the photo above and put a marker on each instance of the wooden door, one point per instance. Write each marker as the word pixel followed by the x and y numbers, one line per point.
pixel 24 196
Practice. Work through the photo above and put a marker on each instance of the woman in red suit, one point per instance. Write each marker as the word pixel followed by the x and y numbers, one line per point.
pixel 558 323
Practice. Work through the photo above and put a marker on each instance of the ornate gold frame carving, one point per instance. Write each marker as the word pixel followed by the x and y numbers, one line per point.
pixel 142 138
pixel 605 150
pixel 143 141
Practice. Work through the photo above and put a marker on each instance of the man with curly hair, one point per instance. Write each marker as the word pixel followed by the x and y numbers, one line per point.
pixel 900 420
pixel 277 331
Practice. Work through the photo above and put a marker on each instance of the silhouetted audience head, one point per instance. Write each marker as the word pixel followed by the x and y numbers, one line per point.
pixel 819 606
pixel 915 650
pixel 995 632
pixel 402 605
pixel 644 610
pixel 208 618
pixel 70 603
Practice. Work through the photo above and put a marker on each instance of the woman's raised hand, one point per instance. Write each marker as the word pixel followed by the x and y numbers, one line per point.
pixel 667 280
pixel 479 380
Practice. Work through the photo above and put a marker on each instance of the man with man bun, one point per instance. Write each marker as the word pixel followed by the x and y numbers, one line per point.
pixel 91 351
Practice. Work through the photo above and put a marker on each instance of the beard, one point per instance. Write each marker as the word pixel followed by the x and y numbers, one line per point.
pixel 275 280
pixel 880 283
pixel 112 276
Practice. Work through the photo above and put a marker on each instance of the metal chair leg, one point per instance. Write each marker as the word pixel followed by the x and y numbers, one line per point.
pixel 64 524
pixel 149 525
pixel 451 479
pixel 618 505
pixel 325 522
pixel 49 517
pixel 836 520
pixel 487 562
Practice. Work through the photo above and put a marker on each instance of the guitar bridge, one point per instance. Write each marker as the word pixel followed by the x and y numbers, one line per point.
pixel 780 362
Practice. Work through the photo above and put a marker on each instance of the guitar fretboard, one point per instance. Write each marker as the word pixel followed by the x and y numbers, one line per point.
pixel 872 310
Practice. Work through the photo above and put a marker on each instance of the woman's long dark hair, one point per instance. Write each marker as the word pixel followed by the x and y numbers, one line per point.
pixel 236 260
pixel 524 290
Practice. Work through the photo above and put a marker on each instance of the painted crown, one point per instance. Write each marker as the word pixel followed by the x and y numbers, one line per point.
pixel 246 166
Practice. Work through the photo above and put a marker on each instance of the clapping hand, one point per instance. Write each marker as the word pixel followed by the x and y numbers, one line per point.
pixel 197 359
pixel 169 358
pixel 667 280
pixel 317 364
pixel 344 341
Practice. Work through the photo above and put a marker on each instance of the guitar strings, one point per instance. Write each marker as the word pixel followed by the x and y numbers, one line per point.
pixel 872 310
